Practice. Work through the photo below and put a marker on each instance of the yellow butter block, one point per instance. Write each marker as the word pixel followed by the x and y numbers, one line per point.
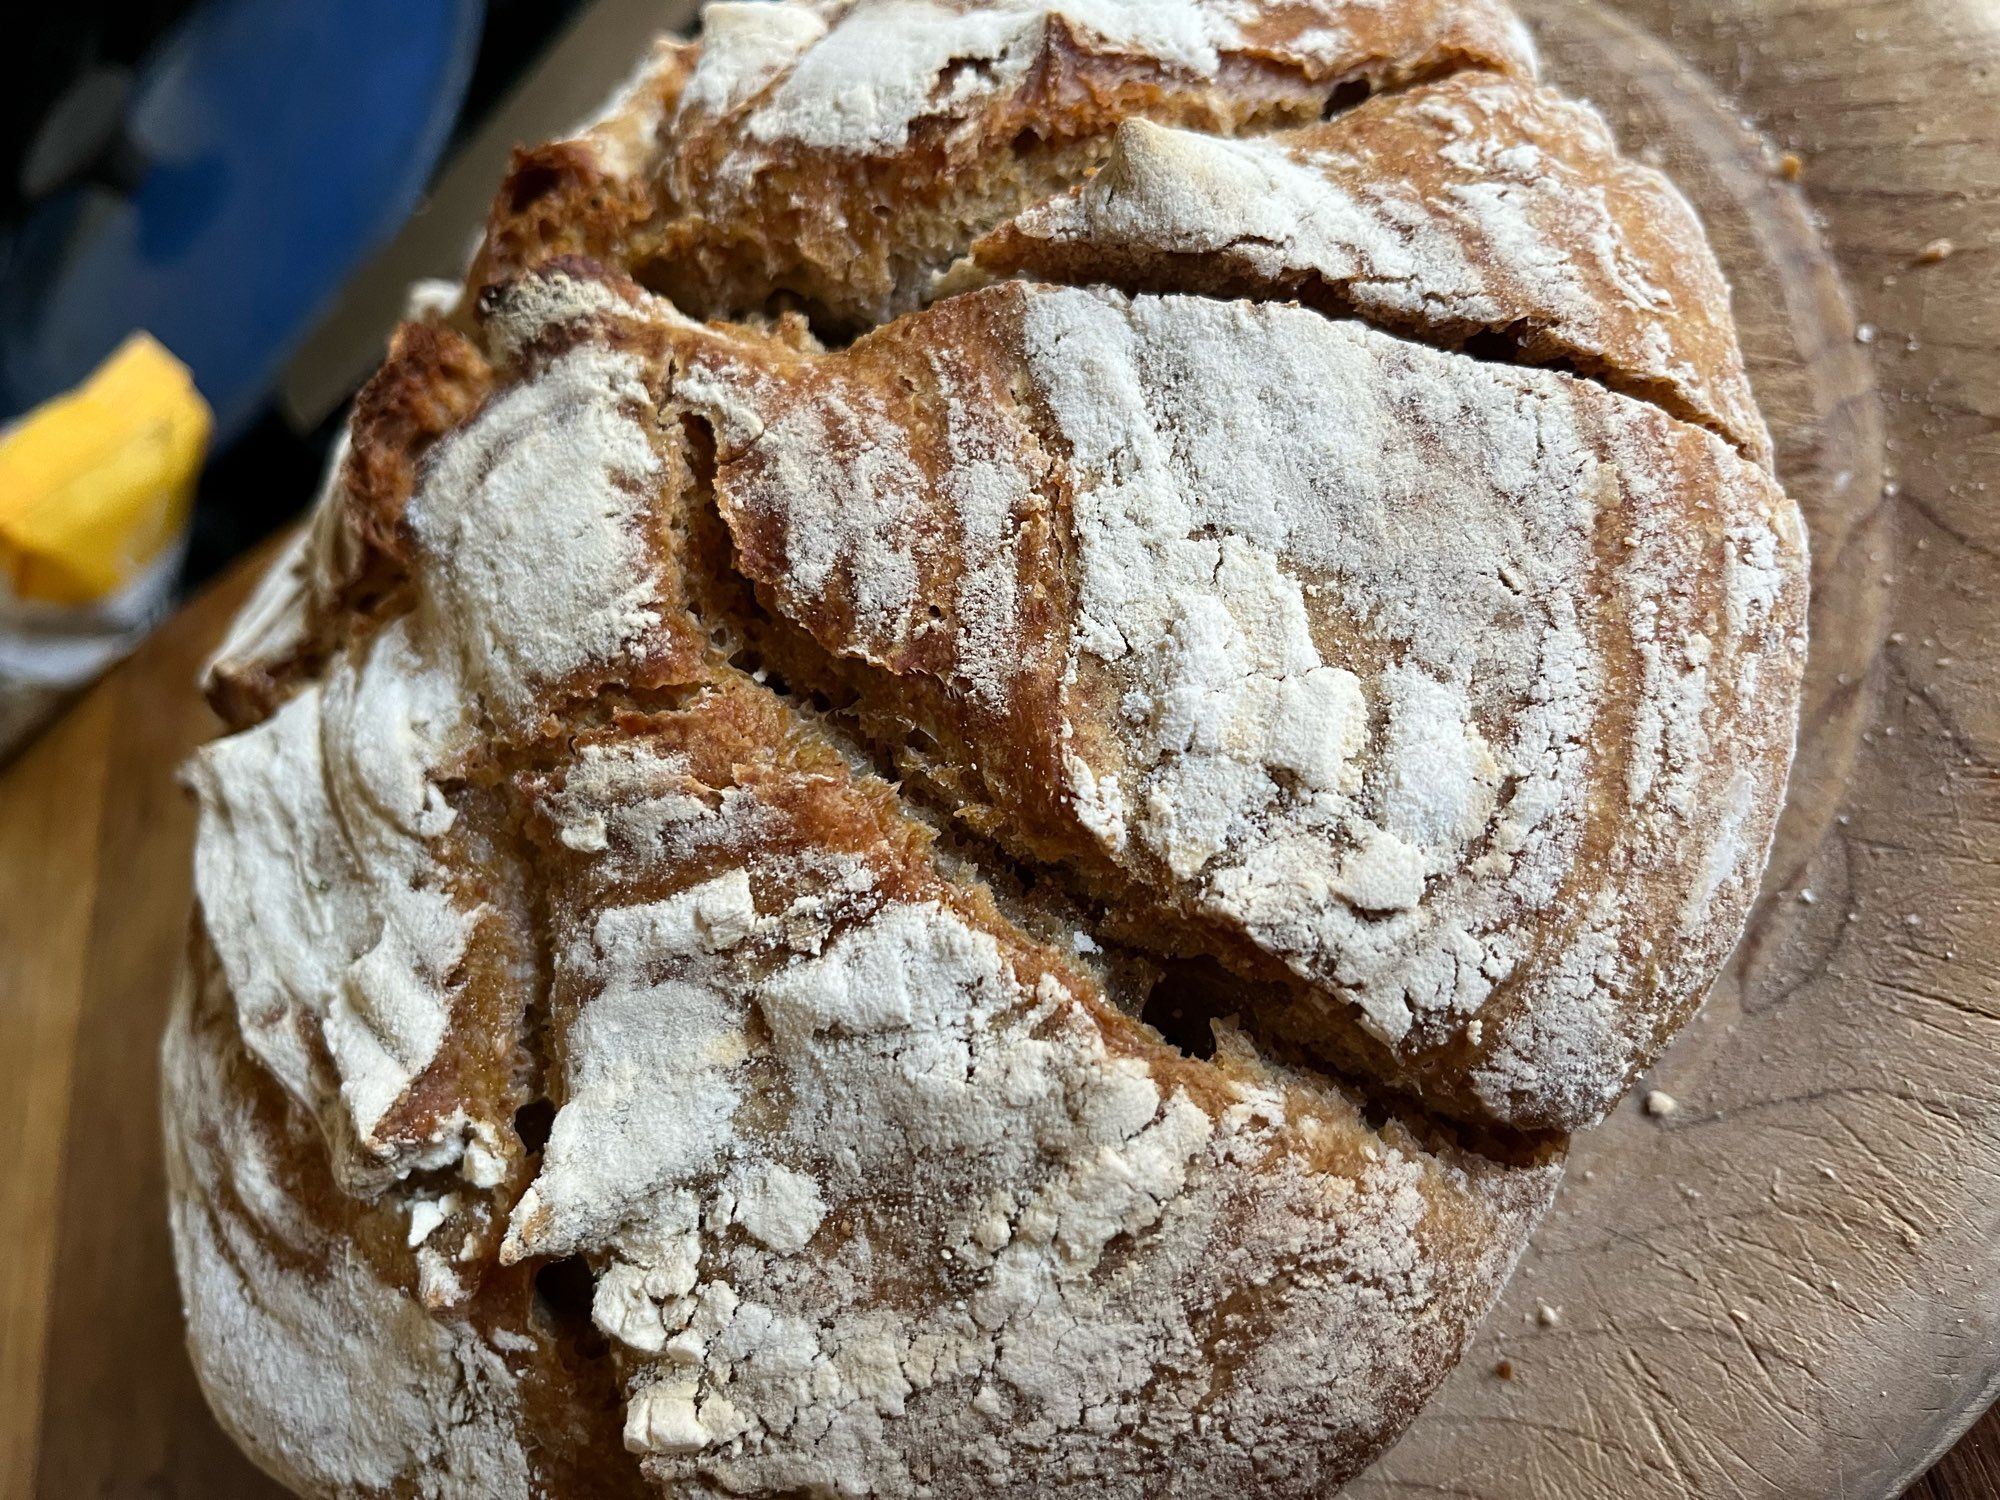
pixel 94 484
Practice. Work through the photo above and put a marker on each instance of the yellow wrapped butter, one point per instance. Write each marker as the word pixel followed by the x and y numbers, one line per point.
pixel 95 487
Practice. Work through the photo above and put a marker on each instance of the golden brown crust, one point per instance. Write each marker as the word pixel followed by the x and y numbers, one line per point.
pixel 602 1077
pixel 1271 1210
pixel 557 201
pixel 910 379
pixel 247 693
pixel 569 197
pixel 661 815
pixel 1477 207
pixel 1404 1241
pixel 355 557
pixel 433 379
pixel 732 212
pixel 895 422
pixel 252 1189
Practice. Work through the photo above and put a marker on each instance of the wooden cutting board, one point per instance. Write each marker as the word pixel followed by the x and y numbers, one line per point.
pixel 1790 1285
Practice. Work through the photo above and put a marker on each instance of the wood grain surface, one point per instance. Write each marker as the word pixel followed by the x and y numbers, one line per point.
pixel 1786 1287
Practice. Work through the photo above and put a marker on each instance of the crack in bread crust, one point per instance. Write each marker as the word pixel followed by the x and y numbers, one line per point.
pixel 1475 213
pixel 1378 586
pixel 749 169
pixel 579 953
pixel 306 1320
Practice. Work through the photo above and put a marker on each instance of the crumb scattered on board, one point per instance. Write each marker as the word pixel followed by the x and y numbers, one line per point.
pixel 1660 1104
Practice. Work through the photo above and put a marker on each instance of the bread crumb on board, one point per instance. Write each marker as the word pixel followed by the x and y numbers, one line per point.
pixel 1935 251
pixel 1660 1104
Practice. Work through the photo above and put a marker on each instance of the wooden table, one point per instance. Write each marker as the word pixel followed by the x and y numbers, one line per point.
pixel 1789 1287
pixel 1971 1471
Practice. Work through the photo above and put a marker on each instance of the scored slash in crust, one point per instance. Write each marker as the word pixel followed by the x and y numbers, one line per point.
pixel 847 153
pixel 1479 210
pixel 1453 698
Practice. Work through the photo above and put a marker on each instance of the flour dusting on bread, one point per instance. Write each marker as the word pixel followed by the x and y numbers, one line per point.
pixel 345 1381
pixel 1342 637
pixel 877 1277
pixel 1478 206
pixel 534 519
pixel 936 533
pixel 337 924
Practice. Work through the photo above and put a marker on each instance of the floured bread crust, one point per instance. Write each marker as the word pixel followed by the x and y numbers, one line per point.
pixel 1459 695
pixel 867 1182
pixel 874 1191
pixel 1476 208
pixel 885 1199
pixel 601 1078
pixel 840 156
pixel 306 1319
pixel 345 569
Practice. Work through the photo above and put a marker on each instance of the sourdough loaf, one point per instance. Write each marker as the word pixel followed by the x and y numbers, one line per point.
pixel 955 792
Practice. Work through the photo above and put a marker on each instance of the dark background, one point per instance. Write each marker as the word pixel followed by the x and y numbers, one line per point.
pixel 267 475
